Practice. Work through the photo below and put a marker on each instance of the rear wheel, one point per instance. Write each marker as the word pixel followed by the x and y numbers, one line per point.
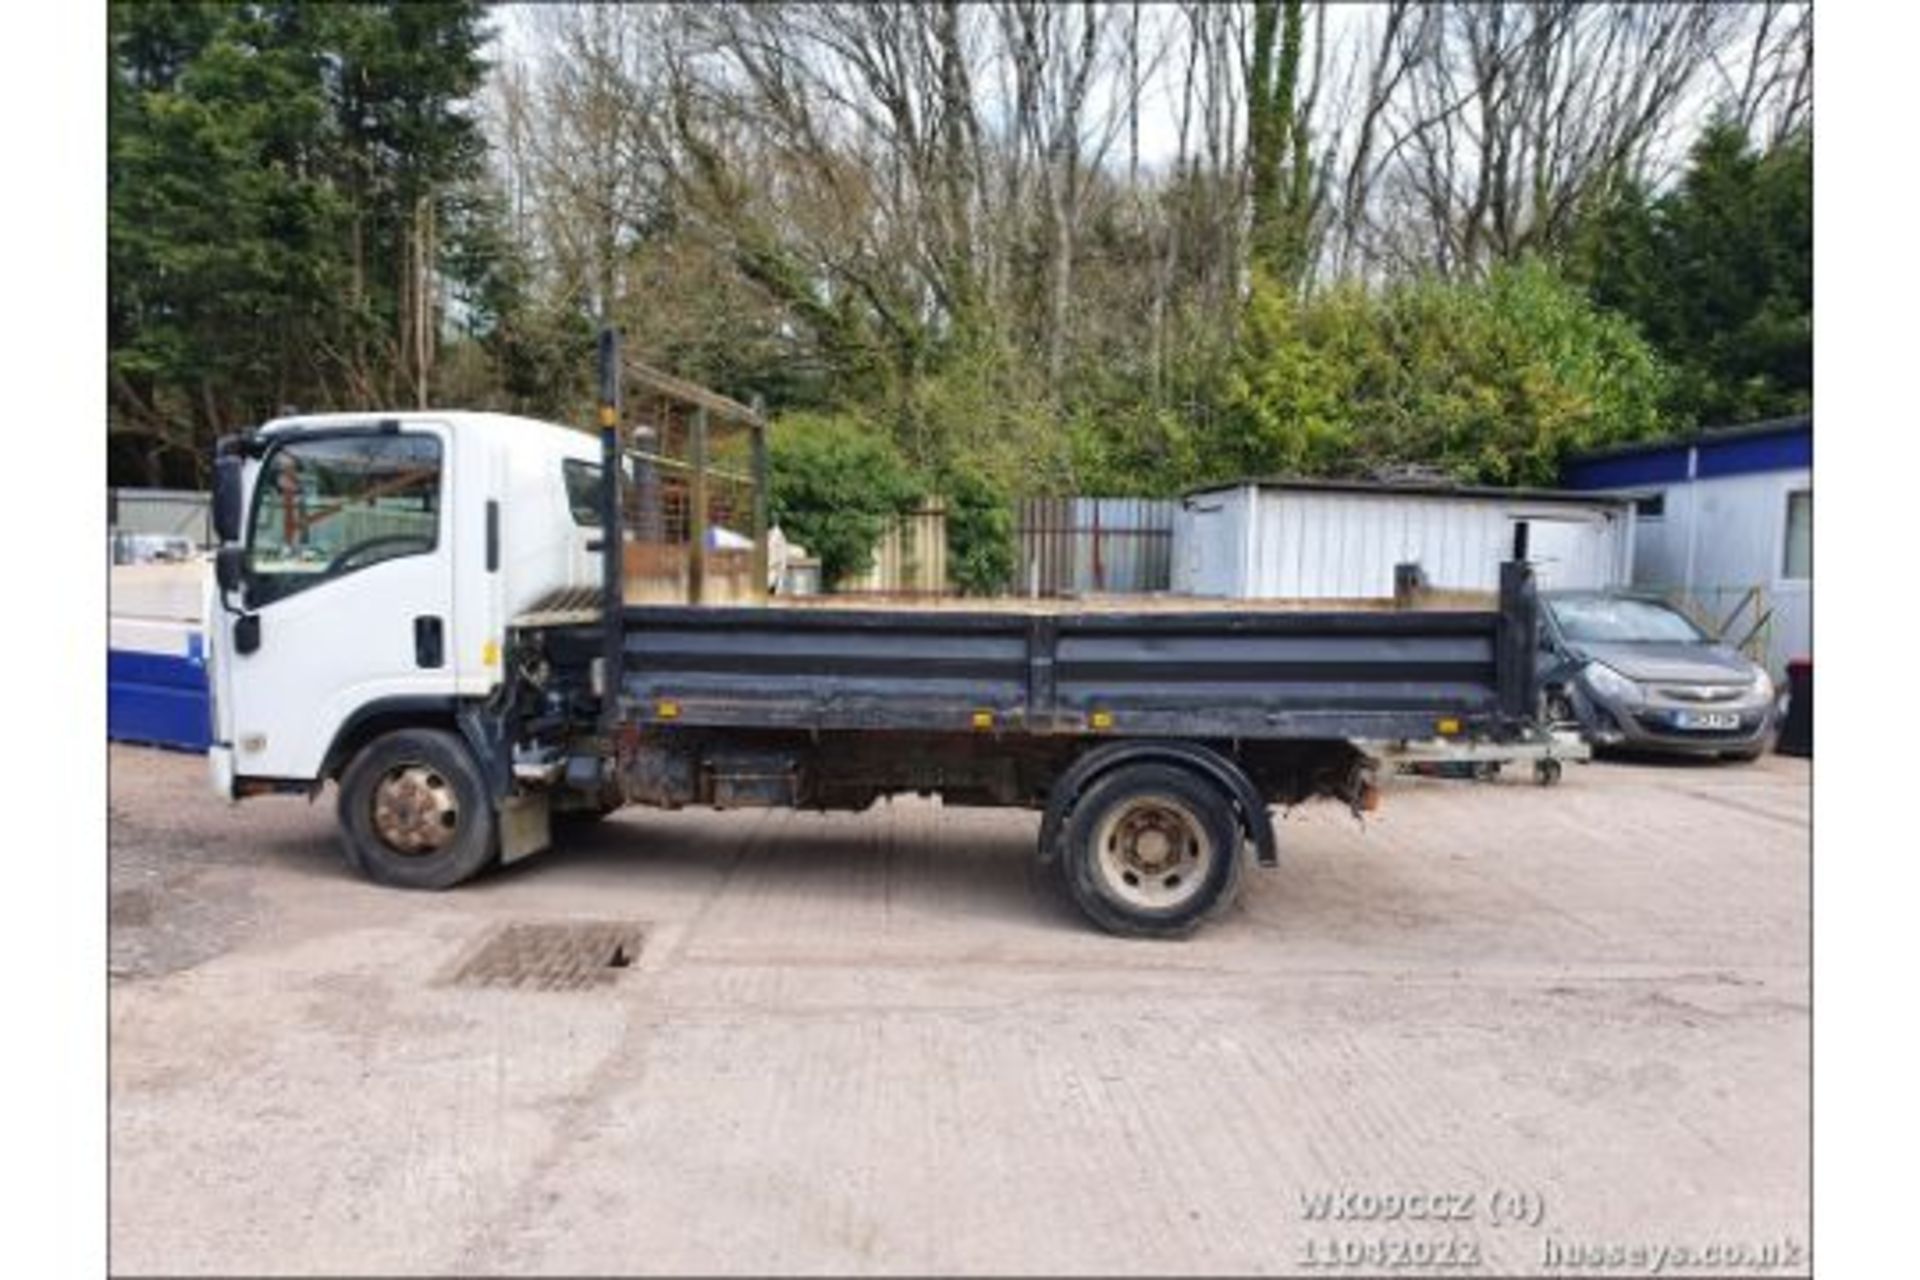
pixel 1152 850
pixel 414 811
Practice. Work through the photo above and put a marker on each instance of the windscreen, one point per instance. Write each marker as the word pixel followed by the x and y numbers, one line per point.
pixel 1616 620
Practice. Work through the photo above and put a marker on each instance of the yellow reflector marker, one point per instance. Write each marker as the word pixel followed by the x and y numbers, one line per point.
pixel 490 654
pixel 983 719
pixel 1101 719
pixel 1447 726
pixel 667 709
pixel 607 415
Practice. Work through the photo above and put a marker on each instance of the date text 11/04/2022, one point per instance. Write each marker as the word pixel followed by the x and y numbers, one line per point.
pixel 1382 1253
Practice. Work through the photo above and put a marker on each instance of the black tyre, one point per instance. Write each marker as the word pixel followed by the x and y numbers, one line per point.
pixel 1151 850
pixel 415 813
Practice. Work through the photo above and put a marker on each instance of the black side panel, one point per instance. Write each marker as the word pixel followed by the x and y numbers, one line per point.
pixel 1272 675
pixel 807 668
pixel 1210 674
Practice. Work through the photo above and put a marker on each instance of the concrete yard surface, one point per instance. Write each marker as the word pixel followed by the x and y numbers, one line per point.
pixel 1491 1029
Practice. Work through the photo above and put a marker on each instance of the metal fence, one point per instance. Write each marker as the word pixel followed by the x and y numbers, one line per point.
pixel 1064 547
pixel 1741 616
pixel 1089 546
pixel 182 513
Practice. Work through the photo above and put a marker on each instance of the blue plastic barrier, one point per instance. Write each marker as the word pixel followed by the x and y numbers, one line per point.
pixel 159 699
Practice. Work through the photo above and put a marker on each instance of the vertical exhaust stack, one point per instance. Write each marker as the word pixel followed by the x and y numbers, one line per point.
pixel 612 537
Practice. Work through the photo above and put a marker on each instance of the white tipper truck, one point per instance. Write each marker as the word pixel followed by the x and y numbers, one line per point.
pixel 423 609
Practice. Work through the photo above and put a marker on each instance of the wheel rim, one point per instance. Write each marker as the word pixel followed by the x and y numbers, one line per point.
pixel 415 810
pixel 1153 852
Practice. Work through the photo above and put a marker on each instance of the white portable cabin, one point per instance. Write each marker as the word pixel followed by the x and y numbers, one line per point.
pixel 1340 540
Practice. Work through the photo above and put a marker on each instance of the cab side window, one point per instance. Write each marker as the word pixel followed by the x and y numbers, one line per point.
pixel 583 491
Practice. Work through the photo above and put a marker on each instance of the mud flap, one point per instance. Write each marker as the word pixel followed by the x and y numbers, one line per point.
pixel 526 826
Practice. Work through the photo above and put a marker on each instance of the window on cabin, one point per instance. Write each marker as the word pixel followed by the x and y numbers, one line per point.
pixel 1799 549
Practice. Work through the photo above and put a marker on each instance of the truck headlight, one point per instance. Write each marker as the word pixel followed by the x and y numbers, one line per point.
pixel 1610 684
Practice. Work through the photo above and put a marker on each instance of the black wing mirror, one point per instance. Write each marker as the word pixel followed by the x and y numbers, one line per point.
pixel 227 472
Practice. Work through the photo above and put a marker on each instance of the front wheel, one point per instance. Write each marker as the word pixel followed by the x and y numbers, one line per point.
pixel 415 813
pixel 1152 850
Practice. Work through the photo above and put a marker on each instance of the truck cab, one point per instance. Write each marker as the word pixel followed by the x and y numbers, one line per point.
pixel 371 566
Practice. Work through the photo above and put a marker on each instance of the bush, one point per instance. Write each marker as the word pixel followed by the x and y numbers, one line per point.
pixel 1492 381
pixel 1292 396
pixel 980 548
pixel 986 410
pixel 835 481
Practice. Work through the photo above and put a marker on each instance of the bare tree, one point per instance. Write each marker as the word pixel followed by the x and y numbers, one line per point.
pixel 1769 84
pixel 1055 187
pixel 1483 127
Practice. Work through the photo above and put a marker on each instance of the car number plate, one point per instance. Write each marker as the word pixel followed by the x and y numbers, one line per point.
pixel 1706 720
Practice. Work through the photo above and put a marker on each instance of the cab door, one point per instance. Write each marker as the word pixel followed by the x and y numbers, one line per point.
pixel 350 575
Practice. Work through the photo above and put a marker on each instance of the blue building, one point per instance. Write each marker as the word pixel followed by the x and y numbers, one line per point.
pixel 1724 520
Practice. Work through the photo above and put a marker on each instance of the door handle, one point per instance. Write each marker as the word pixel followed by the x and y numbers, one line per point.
pixel 429 641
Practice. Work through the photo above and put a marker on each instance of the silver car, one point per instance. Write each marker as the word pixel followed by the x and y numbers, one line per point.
pixel 1633 671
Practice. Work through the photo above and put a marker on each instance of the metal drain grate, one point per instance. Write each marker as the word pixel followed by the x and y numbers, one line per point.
pixel 569 956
